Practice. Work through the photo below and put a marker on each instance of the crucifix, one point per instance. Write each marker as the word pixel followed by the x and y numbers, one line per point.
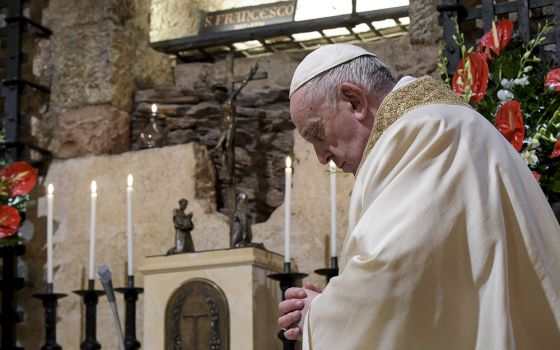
pixel 227 94
pixel 195 318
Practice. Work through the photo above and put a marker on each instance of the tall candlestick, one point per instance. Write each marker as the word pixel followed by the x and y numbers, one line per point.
pixel 92 230
pixel 50 198
pixel 288 209
pixel 129 225
pixel 332 168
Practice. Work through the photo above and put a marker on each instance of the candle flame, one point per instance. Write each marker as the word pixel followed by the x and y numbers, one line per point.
pixel 332 166
pixel 288 162
pixel 154 108
pixel 93 187
pixel 50 189
pixel 129 180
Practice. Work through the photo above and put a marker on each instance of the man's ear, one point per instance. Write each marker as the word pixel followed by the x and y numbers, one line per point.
pixel 356 98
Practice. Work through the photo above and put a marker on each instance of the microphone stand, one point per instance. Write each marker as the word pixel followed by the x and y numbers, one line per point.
pixel 105 277
pixel 90 298
pixel 130 296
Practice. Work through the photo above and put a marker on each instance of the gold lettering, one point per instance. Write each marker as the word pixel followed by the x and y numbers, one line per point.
pixel 238 17
pixel 272 11
pixel 262 14
pixel 290 10
pixel 229 18
pixel 254 15
pixel 219 19
pixel 208 21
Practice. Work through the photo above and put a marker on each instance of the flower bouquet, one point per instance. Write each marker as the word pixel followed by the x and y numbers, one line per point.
pixel 16 181
pixel 518 92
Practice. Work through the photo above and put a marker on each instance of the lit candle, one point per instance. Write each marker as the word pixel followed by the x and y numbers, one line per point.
pixel 50 198
pixel 92 230
pixel 154 109
pixel 129 225
pixel 288 209
pixel 332 168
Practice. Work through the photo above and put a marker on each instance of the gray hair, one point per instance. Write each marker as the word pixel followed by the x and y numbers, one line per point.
pixel 367 72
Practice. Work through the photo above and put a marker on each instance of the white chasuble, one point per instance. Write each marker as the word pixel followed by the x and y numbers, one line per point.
pixel 451 242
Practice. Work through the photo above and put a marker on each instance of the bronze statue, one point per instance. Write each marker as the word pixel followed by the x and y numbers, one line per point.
pixel 183 227
pixel 241 233
pixel 227 96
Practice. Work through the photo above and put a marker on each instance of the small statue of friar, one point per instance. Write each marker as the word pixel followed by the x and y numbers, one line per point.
pixel 183 227
pixel 242 235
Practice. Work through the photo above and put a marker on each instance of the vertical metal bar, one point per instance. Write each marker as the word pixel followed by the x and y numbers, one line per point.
pixel 556 5
pixel 487 14
pixel 8 305
pixel 523 19
pixel 11 93
pixel 448 18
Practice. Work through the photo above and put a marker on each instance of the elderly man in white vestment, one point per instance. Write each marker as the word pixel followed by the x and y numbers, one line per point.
pixel 451 243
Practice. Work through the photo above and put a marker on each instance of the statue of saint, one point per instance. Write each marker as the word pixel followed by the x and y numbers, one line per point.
pixel 183 227
pixel 241 233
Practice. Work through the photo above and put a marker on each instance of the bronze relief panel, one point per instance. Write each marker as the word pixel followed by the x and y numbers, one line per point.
pixel 197 317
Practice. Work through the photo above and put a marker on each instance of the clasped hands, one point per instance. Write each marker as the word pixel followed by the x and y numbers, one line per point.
pixel 294 309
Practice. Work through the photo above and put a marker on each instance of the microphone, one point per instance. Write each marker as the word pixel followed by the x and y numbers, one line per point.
pixel 104 275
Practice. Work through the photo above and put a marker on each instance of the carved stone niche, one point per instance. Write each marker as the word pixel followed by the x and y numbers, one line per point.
pixel 197 317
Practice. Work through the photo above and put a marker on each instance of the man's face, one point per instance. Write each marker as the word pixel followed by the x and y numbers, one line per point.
pixel 339 135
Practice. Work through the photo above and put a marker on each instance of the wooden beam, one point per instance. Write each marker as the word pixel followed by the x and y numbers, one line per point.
pixel 281 29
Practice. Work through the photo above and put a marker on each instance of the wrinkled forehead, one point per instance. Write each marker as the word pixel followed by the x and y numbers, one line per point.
pixel 303 112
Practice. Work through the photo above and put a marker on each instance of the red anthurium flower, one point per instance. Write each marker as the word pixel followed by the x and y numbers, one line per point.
pixel 21 176
pixel 536 175
pixel 509 121
pixel 552 80
pixel 9 221
pixel 556 150
pixel 496 39
pixel 471 76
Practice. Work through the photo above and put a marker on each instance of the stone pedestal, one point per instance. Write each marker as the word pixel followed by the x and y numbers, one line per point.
pixel 252 298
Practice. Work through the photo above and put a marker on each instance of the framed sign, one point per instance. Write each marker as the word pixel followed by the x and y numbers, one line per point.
pixel 247 17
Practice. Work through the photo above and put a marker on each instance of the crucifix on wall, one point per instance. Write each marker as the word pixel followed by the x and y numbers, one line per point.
pixel 227 93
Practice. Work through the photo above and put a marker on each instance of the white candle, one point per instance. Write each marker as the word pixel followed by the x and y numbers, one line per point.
pixel 129 225
pixel 154 109
pixel 92 230
pixel 288 209
pixel 332 168
pixel 50 198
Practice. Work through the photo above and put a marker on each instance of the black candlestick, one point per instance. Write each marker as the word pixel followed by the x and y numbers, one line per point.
pixel 329 272
pixel 50 301
pixel 130 296
pixel 91 298
pixel 287 280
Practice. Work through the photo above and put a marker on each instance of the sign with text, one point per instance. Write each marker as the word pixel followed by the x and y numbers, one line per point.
pixel 247 17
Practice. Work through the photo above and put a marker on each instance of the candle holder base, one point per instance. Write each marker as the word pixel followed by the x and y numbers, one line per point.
pixel 90 298
pixel 130 296
pixel 50 302
pixel 329 272
pixel 287 280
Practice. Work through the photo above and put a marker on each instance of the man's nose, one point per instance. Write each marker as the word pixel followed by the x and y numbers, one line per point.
pixel 322 155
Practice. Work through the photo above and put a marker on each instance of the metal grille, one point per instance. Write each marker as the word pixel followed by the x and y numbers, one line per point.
pixel 14 85
pixel 527 14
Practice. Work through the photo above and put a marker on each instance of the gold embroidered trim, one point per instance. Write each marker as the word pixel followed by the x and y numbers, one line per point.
pixel 418 93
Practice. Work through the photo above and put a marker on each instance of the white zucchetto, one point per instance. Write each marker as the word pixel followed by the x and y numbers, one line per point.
pixel 323 59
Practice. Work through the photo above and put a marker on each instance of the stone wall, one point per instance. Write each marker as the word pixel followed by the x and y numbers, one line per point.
pixel 96 58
